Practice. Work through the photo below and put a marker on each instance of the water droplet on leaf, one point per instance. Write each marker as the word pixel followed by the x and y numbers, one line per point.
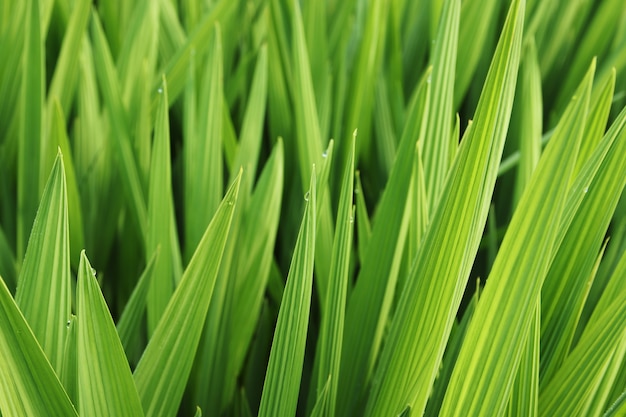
pixel 306 196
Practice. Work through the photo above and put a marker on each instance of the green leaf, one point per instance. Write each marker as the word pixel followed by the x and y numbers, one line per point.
pixel 69 368
pixel 310 145
pixel 160 213
pixel 202 151
pixel 257 239
pixel 370 301
pixel 43 287
pixel 162 371
pixel 509 301
pixel 331 334
pixel 284 369
pixel 110 87
pixel 432 293
pixel 65 77
pixel 570 390
pixel 29 385
pixel 105 382
pixel 31 129
pixel 434 146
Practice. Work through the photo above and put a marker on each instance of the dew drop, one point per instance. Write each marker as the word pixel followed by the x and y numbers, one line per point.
pixel 351 219
pixel 68 324
pixel 325 154
pixel 306 196
pixel 586 189
pixel 230 203
pixel 356 191
pixel 160 90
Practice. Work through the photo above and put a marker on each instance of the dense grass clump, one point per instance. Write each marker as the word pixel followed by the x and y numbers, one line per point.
pixel 313 208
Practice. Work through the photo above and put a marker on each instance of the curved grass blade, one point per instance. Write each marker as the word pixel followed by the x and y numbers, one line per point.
pixel 43 287
pixel 162 371
pixel 331 334
pixel 284 369
pixel 491 353
pixel 160 215
pixel 28 384
pixel 432 294
pixel 7 263
pixel 69 368
pixel 105 382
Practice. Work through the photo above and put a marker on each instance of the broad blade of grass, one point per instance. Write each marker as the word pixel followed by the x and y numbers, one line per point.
pixel 573 386
pixel 504 314
pixel 370 301
pixel 310 148
pixel 524 401
pixel 43 287
pixel 435 146
pixel 160 213
pixel 331 334
pixel 28 384
pixel 31 120
pixel 284 369
pixel 567 283
pixel 432 293
pixel 259 230
pixel 110 87
pixel 202 151
pixel 530 118
pixel 162 371
pixel 105 382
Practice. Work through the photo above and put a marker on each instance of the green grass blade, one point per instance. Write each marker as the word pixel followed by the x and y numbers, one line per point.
pixel 508 300
pixel 58 138
pixel 105 382
pixel 28 384
pixel 310 148
pixel 252 127
pixel 370 301
pixel 363 225
pixel 43 288
pixel 202 153
pixel 601 101
pixel 570 390
pixel 160 213
pixel 435 146
pixel 259 231
pixel 31 129
pixel 162 371
pixel 175 69
pixel 331 334
pixel 65 77
pixel 426 308
pixel 530 118
pixel 524 400
pixel 110 87
pixel 321 404
pixel 477 19
pixel 284 369
pixel 567 283
pixel 618 408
